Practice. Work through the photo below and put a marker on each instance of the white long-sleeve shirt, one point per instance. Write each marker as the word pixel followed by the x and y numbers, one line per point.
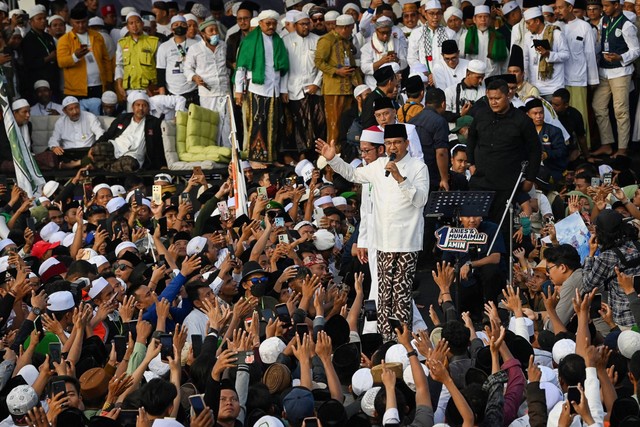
pixel 272 85
pixel 417 51
pixel 211 66
pixel 581 69
pixel 398 221
pixel 369 55
pixel 558 55
pixel 79 134
pixel 302 67
pixel 445 76
pixel 630 35
pixel 592 393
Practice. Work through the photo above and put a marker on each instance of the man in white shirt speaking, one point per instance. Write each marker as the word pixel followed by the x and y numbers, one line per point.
pixel 400 191
pixel 74 133
pixel 303 83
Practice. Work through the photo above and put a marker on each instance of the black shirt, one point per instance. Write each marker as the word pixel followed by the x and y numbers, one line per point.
pixel 433 131
pixel 573 122
pixel 497 144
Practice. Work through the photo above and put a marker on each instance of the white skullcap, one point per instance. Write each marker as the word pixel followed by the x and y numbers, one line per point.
pixel 19 103
pixel 37 10
pixel 531 13
pixel 331 16
pixel 397 354
pixel 478 10
pixel 177 18
pixel 97 286
pixel 114 204
pixel 56 17
pixel 109 97
pixel 41 83
pixel 60 301
pixel 124 245
pixel 322 201
pixel 196 245
pixel 49 262
pixel 344 20
pixel 291 3
pixel 547 9
pixel 192 17
pixel 96 21
pixel 127 10
pixel 424 78
pixel 100 187
pixel 270 349
pixel 339 201
pixel 69 100
pixel 407 375
pixel 372 136
pixel 3 7
pixel 98 260
pixel 29 373
pixel 452 11
pixel 361 381
pixel 430 4
pixel 290 16
pixel 562 348
pixel 300 16
pixel 268 14
pixel 137 96
pixel 367 403
pixel 477 66
pixel 50 187
pixel 48 230
pixel 118 190
pixel 528 323
pixel 43 199
pixel 131 15
pixel 58 236
pixel 359 90
pixel 571 2
pixel 68 241
pixel 383 21
pixel 350 6
pixel 628 343
pixel 324 240
pixel 15 12
pixel 5 242
pixel 510 7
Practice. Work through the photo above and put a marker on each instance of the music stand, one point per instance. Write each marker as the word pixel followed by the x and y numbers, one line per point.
pixel 448 203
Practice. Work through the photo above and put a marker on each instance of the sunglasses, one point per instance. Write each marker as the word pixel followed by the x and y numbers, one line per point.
pixel 121 267
pixel 259 280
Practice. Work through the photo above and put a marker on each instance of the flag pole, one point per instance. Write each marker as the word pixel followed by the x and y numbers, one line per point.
pixel 236 174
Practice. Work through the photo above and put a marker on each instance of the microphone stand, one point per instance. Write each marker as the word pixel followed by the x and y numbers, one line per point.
pixel 509 208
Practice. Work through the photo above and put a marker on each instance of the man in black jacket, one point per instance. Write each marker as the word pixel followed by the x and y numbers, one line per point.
pixel 39 52
pixel 501 137
pixel 133 141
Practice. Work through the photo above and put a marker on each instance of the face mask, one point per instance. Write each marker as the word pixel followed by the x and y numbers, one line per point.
pixel 214 40
pixel 180 31
pixel 259 289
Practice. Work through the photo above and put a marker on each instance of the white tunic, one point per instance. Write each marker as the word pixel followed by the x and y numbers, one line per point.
pixel 558 55
pixel 466 94
pixel 493 68
pixel 581 69
pixel 445 76
pixel 370 54
pixel 131 142
pixel 79 134
pixel 302 67
pixel 211 66
pixel 272 85
pixel 398 221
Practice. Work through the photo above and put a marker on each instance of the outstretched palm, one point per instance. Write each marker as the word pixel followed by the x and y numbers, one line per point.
pixel 327 150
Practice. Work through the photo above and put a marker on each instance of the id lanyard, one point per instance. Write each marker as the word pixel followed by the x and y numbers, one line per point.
pixel 607 31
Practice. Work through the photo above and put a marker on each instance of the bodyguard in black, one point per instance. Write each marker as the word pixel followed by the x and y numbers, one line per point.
pixel 501 137
pixel 39 53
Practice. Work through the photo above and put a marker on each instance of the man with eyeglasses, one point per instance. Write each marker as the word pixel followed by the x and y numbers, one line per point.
pixel 481 41
pixel 594 13
pixel 410 20
pixel 316 14
pixel 170 63
pixel 303 82
pixel 256 283
pixel 452 68
pixel 565 271
pixel 425 44
pixel 398 199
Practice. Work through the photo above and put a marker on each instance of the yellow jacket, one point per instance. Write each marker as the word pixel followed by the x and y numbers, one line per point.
pixel 330 54
pixel 139 61
pixel 75 73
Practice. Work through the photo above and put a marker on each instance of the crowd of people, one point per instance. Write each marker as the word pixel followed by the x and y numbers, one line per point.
pixel 312 286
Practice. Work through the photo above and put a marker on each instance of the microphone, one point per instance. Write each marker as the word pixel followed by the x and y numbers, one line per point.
pixel 524 165
pixel 392 157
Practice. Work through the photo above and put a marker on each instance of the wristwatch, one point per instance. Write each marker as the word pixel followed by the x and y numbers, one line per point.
pixel 37 311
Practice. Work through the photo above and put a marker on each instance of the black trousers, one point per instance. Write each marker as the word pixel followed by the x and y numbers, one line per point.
pixel 489 280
